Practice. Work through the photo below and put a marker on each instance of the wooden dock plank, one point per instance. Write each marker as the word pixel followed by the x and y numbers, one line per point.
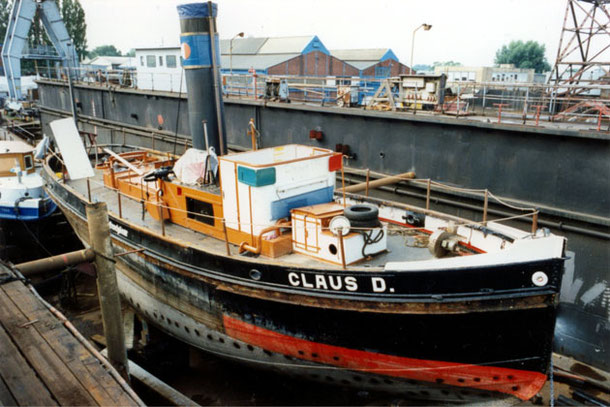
pixel 86 368
pixel 19 380
pixel 6 398
pixel 56 376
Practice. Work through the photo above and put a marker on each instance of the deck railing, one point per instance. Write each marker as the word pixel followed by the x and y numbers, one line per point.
pixel 429 185
pixel 508 101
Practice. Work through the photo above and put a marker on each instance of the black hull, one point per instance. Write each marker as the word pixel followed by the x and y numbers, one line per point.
pixel 460 335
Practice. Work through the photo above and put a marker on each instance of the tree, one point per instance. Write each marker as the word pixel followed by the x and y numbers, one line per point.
pixel 447 63
pixel 5 9
pixel 74 18
pixel 422 68
pixel 131 53
pixel 106 51
pixel 529 55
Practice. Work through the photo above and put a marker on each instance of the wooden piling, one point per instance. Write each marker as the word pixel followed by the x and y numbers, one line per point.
pixel 108 290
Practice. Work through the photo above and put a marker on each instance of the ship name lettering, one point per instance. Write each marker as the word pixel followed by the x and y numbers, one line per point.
pixel 379 285
pixel 323 282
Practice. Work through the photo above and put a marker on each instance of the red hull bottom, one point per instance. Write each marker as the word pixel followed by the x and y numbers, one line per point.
pixel 519 383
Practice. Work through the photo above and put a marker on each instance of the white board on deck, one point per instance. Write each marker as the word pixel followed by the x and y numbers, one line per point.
pixel 72 149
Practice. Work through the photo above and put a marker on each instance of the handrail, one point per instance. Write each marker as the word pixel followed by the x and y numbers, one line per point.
pixel 476 97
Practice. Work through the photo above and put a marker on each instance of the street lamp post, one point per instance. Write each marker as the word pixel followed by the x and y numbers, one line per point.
pixel 231 52
pixel 426 27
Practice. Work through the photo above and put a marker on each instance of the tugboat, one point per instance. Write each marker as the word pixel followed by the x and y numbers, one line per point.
pixel 258 257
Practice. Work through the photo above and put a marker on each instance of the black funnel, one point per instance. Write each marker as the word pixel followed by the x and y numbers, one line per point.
pixel 200 56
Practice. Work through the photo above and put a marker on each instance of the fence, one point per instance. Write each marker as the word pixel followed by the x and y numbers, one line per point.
pixel 524 101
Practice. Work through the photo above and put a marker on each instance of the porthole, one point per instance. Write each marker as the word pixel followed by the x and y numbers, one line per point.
pixel 221 340
pixel 187 329
pixel 540 279
pixel 210 337
pixel 266 352
pixel 332 249
pixel 236 345
pixel 439 381
pixel 255 274
pixel 314 355
pixel 250 348
pixel 197 333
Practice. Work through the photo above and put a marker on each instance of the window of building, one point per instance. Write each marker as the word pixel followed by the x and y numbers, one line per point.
pixel 151 61
pixel 160 61
pixel 141 60
pixel 170 61
pixel 382 71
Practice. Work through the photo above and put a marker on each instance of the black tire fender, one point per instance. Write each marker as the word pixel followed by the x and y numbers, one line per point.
pixel 361 212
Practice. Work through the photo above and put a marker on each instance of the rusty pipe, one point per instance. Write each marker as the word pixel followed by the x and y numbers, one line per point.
pixel 60 261
pixel 244 246
pixel 380 182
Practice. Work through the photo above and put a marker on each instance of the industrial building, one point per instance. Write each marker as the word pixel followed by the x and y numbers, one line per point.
pixel 505 73
pixel 372 62
pixel 159 67
pixel 109 63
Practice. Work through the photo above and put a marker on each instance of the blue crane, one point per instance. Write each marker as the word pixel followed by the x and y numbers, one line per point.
pixel 20 21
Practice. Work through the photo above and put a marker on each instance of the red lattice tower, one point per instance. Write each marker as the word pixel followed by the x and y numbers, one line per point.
pixel 584 46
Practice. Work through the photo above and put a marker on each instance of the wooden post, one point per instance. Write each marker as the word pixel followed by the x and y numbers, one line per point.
pixel 88 190
pixel 428 195
pixel 162 220
pixel 368 174
pixel 118 195
pixel 342 249
pixel 108 290
pixel 224 230
pixel 535 222
pixel 343 184
pixel 485 207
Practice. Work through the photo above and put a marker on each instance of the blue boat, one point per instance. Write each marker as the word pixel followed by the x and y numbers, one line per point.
pixel 21 194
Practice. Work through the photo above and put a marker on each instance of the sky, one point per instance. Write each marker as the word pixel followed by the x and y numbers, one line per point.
pixel 466 31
